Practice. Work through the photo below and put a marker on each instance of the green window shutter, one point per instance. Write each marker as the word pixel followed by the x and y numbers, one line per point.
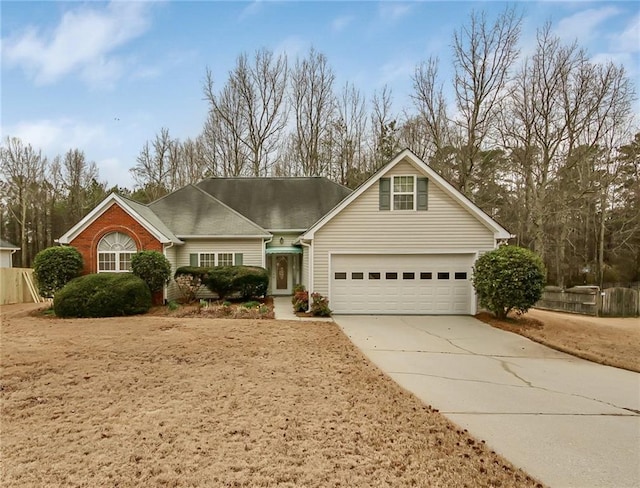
pixel 237 259
pixel 423 192
pixel 193 260
pixel 385 193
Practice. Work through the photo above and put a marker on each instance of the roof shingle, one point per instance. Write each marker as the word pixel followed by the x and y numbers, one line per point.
pixel 278 203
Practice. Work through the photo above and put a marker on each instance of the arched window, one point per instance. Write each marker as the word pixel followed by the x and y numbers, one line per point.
pixel 114 252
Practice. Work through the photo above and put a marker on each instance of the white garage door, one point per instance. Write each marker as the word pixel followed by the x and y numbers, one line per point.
pixel 437 284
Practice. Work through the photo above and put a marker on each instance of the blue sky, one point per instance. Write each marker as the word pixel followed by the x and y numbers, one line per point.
pixel 106 76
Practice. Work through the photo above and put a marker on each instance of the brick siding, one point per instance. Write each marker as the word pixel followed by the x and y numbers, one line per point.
pixel 114 219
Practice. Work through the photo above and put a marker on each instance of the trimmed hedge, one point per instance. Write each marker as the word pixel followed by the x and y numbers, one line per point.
pixel 54 267
pixel 244 281
pixel 193 271
pixel 103 295
pixel 153 267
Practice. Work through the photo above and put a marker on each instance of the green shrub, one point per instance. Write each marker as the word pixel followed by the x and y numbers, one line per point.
pixel 242 281
pixel 220 280
pixel 54 267
pixel 509 278
pixel 250 281
pixel 103 295
pixel 320 305
pixel 251 304
pixel 153 267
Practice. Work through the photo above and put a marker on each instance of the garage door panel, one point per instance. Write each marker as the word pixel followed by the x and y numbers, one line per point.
pixel 410 293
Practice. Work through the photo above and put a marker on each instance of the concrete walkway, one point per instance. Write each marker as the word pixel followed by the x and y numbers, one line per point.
pixel 564 420
pixel 283 310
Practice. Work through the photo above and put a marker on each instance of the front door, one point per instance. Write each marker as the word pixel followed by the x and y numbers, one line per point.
pixel 282 270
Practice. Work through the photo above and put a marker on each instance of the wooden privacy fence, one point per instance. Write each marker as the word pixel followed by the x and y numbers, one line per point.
pixel 17 286
pixel 589 300
pixel 582 300
pixel 620 302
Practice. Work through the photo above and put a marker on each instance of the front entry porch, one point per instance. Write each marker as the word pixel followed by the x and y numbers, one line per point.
pixel 285 269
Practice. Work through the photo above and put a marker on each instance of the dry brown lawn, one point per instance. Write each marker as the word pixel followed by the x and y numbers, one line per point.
pixel 611 341
pixel 165 401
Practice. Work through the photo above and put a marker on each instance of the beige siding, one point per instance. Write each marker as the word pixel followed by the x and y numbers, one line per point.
pixel 287 239
pixel 172 291
pixel 251 249
pixel 305 267
pixel 362 227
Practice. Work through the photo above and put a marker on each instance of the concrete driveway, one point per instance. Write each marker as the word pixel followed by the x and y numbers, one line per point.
pixel 564 420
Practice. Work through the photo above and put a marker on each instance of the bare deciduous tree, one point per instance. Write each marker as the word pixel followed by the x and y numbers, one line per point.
pixel 483 57
pixel 22 168
pixel 155 168
pixel 248 116
pixel 313 104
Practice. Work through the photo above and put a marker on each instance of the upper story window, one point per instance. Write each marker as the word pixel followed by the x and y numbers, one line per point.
pixel 404 193
pixel 114 252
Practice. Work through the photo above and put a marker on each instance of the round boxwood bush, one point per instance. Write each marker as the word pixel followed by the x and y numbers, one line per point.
pixel 509 278
pixel 54 267
pixel 153 267
pixel 241 281
pixel 103 295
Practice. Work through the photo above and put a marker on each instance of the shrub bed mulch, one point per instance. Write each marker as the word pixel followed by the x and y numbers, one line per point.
pixel 255 309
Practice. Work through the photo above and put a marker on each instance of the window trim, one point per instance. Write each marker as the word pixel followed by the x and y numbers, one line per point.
pixel 216 258
pixel 117 254
pixel 413 193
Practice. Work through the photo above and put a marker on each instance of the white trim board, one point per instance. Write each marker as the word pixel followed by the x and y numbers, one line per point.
pixel 105 205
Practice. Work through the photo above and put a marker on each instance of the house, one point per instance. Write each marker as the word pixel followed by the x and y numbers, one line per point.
pixel 6 253
pixel 404 242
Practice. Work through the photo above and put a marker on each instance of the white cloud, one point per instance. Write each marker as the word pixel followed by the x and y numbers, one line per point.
pixel 114 171
pixel 57 136
pixel 629 39
pixel 392 11
pixel 394 71
pixel 292 47
pixel 340 23
pixel 83 41
pixel 582 26
pixel 254 8
pixel 622 48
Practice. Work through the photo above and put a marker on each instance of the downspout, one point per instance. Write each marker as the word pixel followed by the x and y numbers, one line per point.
pixel 264 258
pixel 264 250
pixel 164 251
pixel 310 291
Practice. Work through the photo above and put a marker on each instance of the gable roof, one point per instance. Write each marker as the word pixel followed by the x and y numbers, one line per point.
pixel 191 212
pixel 6 245
pixel 137 211
pixel 408 155
pixel 278 203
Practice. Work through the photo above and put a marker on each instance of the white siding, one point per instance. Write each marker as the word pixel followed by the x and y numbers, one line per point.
pixel 305 267
pixel 252 252
pixel 362 228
